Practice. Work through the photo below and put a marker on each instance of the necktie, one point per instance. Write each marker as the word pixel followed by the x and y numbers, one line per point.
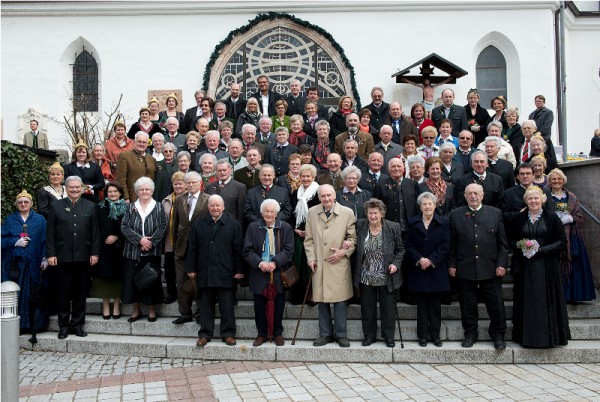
pixel 525 151
pixel 374 176
pixel 190 202
pixel 266 192
pixel 327 214
pixel 397 126
pixel 221 184
pixel 481 179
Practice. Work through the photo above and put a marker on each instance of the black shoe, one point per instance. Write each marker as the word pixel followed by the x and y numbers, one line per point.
pixel 152 319
pixel 170 299
pixel 116 316
pixel 343 342
pixel 390 343
pixel 367 341
pixel 135 318
pixel 499 343
pixel 106 317
pixel 63 333
pixel 323 340
pixel 468 342
pixel 78 331
pixel 182 320
pixel 422 342
pixel 437 342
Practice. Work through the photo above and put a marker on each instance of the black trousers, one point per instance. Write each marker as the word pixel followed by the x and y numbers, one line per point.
pixel 185 299
pixel 170 274
pixel 226 299
pixel 73 283
pixel 260 317
pixel 368 310
pixel 429 314
pixel 490 291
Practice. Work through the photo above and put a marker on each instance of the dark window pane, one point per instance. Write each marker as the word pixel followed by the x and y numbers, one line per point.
pixel 85 83
pixel 490 75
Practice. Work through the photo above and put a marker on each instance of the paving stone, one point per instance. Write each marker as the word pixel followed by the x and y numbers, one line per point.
pixel 217 350
pixel 453 353
pixel 126 345
pixel 576 351
pixel 304 351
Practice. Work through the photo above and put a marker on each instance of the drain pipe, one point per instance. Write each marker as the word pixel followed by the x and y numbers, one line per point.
pixel 561 77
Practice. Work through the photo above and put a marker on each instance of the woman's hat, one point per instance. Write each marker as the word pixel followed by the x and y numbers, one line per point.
pixel 24 194
pixel 80 144
pixel 144 108
pixel 153 99
pixel 172 95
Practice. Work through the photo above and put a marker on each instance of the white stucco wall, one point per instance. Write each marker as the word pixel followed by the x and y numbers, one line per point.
pixel 153 50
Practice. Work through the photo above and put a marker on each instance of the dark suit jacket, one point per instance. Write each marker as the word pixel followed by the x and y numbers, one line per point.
pixel 595 146
pixel 393 150
pixel 279 158
pixel 456 170
pixel 130 167
pixel 406 127
pixel 235 110
pixel 234 196
pixel 253 249
pixel 505 170
pixel 337 124
pixel 295 105
pixel 513 201
pixel 325 178
pixel 273 97
pixel 255 197
pixel 457 114
pixel 401 202
pixel 181 222
pixel 247 178
pixel 359 162
pixel 481 117
pixel 367 182
pixel 458 157
pixel 72 232
pixel 543 118
pixel 379 114
pixel 493 190
pixel 189 118
pixel 479 243
pixel 91 176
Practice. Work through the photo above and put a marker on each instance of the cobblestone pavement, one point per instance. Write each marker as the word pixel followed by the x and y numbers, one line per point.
pixel 49 376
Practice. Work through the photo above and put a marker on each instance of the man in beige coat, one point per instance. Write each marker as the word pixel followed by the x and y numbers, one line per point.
pixel 330 239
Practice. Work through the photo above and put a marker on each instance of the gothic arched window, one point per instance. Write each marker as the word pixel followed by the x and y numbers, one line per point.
pixel 85 83
pixel 491 75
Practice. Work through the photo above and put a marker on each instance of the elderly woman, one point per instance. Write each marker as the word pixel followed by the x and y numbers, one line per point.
pixel 435 184
pixel 208 164
pixel 512 130
pixel 183 161
pixel 311 115
pixel 498 104
pixel 297 134
pixel 144 124
pixel 539 148
pixel 55 191
pixel 337 121
pixel 428 148
pixel 192 143
pixel 280 119
pixel 90 173
pixel 118 143
pixel 171 111
pixel 202 127
pixel 505 151
pixel 427 249
pixel 164 171
pixel 250 116
pixel 226 131
pixel 278 153
pixel 324 146
pixel 379 254
pixel 178 185
pixel 478 117
pixel 108 273
pixel 416 168
pixel 158 141
pixel 107 168
pixel 144 227
pixel 291 181
pixel 268 250
pixel 538 163
pixel 537 239
pixel 452 169
pixel 417 115
pixel 24 259
pixel 351 195
pixel 577 279
pixel 302 200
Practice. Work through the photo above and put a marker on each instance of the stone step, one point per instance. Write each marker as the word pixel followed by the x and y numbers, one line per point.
pixel 185 347
pixel 581 329
pixel 245 309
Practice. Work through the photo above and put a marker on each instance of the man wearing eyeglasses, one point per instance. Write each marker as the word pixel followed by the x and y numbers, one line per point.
pixel 448 110
pixel 513 202
pixel 464 150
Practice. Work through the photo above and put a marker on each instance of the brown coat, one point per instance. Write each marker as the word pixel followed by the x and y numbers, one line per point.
pixel 181 222
pixel 331 283
pixel 130 167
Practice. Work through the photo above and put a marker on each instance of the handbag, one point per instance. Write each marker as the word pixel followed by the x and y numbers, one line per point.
pixel 290 276
pixel 146 276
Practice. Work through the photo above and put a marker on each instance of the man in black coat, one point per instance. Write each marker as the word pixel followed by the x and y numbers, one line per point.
pixel 492 183
pixel 542 116
pixel 265 96
pixel 448 110
pixel 374 174
pixel 294 99
pixel 236 104
pixel 498 166
pixel 465 150
pixel 233 192
pixel 478 259
pixel 279 151
pixel 312 94
pixel 248 175
pixel 513 202
pixel 72 245
pixel 351 158
pixel 379 109
pixel 192 114
pixel 215 262
pixel 257 195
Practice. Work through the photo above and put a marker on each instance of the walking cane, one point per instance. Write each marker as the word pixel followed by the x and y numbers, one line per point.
pixel 302 308
pixel 399 329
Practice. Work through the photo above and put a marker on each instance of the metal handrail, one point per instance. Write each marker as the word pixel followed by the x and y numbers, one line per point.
pixel 590 214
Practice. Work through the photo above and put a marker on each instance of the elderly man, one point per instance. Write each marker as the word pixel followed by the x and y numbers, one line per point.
pixel 35 138
pixel 173 135
pixel 233 192
pixel 215 262
pixel 264 135
pixel 193 113
pixel 501 167
pixel 248 175
pixel 478 259
pixel 492 183
pixel 211 140
pixel 448 110
pixel 465 150
pixel 266 189
pixel 386 147
pixel 235 103
pixel 235 151
pixel 219 115
pixel 279 151
pixel 542 116
pixel 513 202
pixel 72 245
pixel 416 168
pixel 294 99
pixel 365 140
pixel 265 96
pixel 131 165
pixel 249 139
pixel 187 209
pixel 379 109
pixel 401 125
pixel 328 226
pixel 351 158
pixel 374 174
pixel 334 175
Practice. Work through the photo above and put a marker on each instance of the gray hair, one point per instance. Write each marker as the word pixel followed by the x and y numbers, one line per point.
pixel 171 146
pixel 192 176
pixel 213 133
pixel 416 159
pixel 238 141
pixel 98 145
pixel 172 120
pixel 478 152
pixel 224 124
pixel 311 168
pixel 513 110
pixel 496 124
pixel 207 155
pixel 377 89
pixel 349 115
pixel 220 104
pixel 182 154
pixel 159 136
pixel 143 181
pixel 73 178
pixel 282 128
pixel 216 197
pixel 246 127
pixel 141 134
pixel 351 169
pixel 529 123
pixel 449 145
pixel 495 139
pixel 350 140
pixel 322 123
pixel 266 166
pixel 271 202
pixel 251 100
pixel 266 118
pixel 325 187
pixel 223 161
pixel 296 117
pixel 426 195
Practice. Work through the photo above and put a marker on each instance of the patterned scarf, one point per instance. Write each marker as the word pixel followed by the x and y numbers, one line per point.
pixel 293 181
pixel 297 138
pixel 322 153
pixel 116 209
pixel 253 117
pixel 439 189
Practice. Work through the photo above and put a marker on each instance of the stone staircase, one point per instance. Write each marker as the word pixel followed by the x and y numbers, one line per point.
pixel 164 339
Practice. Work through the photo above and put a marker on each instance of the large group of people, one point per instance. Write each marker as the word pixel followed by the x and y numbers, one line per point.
pixel 366 205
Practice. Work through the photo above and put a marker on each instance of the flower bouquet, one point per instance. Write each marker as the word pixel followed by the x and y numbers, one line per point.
pixel 528 247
